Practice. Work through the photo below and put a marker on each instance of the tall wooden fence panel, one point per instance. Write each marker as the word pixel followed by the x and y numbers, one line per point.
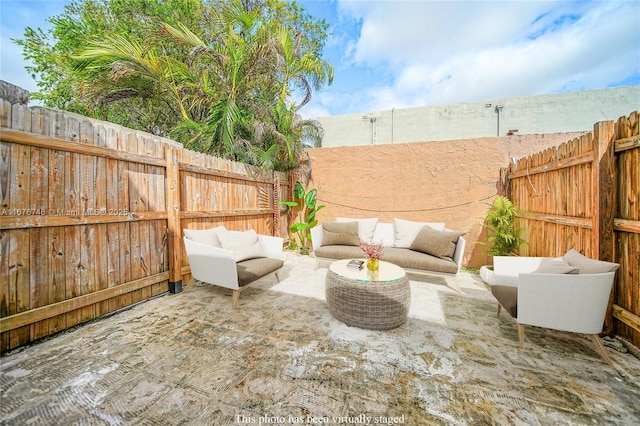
pixel 585 195
pixel 91 216
pixel 626 304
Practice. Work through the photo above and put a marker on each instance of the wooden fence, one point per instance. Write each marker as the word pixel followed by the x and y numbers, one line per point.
pixel 585 194
pixel 91 216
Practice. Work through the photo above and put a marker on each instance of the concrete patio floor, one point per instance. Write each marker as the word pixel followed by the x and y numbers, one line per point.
pixel 281 358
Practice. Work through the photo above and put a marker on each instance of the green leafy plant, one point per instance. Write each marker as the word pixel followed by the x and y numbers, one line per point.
pixel 305 204
pixel 504 237
pixel 292 244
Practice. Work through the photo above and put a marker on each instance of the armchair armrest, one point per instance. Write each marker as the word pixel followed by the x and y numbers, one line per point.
pixel 507 268
pixel 212 264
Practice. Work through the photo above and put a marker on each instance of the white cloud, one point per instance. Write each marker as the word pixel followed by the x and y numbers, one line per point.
pixel 446 52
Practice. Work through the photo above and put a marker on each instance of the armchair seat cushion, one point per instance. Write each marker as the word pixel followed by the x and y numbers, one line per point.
pixel 507 296
pixel 253 269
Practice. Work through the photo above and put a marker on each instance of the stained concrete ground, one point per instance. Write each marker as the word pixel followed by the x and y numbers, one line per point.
pixel 281 358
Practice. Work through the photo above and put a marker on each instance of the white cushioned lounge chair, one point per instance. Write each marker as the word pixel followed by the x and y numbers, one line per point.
pixel 567 294
pixel 232 259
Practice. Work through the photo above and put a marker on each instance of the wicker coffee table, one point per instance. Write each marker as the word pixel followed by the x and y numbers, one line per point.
pixel 360 298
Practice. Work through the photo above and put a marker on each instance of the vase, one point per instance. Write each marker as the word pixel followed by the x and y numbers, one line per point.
pixel 373 264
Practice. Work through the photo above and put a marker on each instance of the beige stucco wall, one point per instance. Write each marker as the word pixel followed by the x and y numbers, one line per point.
pixel 427 181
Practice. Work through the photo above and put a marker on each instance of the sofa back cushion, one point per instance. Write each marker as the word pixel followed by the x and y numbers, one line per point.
pixel 440 244
pixel 555 266
pixel 366 227
pixel 205 236
pixel 340 233
pixel 406 231
pixel 588 266
pixel 245 245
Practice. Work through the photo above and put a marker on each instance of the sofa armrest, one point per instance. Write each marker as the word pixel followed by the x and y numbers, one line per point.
pixel 272 246
pixel 316 237
pixel 459 253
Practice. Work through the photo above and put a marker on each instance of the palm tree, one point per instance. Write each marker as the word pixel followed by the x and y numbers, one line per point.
pixel 304 71
pixel 229 84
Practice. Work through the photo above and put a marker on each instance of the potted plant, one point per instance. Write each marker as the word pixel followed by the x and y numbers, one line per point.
pixel 305 202
pixel 504 237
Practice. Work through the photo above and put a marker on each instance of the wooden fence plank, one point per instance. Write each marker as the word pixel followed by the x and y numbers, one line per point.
pixel 18 248
pixel 101 279
pixel 73 241
pixel 39 239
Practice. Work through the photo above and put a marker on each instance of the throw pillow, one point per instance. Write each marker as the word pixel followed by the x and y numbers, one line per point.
pixel 555 266
pixel 366 227
pixel 588 266
pixel 340 233
pixel 440 244
pixel 205 236
pixel 245 245
pixel 406 231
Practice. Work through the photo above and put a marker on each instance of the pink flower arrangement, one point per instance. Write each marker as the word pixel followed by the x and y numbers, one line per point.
pixel 371 250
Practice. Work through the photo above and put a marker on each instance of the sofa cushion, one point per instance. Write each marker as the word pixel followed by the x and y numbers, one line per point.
pixel 253 269
pixel 340 252
pixel 406 258
pixel 205 236
pixel 507 296
pixel 555 266
pixel 366 227
pixel 340 233
pixel 588 266
pixel 245 245
pixel 436 243
pixel 405 231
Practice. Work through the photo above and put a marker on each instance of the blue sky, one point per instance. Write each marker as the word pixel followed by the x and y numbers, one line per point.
pixel 399 54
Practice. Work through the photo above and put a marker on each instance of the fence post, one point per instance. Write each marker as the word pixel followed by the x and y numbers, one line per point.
pixel 276 205
pixel 502 186
pixel 173 220
pixel 604 202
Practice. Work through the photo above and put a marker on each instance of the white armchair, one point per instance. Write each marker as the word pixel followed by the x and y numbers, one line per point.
pixel 567 294
pixel 232 259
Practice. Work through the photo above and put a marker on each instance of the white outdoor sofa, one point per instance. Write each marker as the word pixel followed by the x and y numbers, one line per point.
pixel 419 247
pixel 232 259
pixel 570 293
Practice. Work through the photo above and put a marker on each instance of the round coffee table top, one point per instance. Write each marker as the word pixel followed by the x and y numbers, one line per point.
pixel 386 272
